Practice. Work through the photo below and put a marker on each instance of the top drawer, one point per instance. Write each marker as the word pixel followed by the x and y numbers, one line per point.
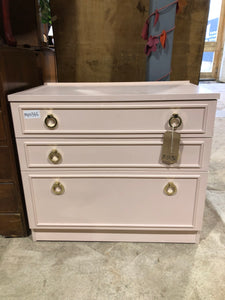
pixel 112 118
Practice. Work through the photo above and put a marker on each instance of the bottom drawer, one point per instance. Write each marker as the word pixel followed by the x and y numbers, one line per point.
pixel 115 200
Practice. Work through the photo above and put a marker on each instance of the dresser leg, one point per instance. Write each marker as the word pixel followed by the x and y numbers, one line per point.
pixel 33 236
pixel 197 239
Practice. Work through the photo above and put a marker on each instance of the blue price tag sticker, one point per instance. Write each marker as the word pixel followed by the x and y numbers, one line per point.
pixel 32 114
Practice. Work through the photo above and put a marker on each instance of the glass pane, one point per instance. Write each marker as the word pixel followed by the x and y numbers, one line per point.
pixel 213 20
pixel 207 62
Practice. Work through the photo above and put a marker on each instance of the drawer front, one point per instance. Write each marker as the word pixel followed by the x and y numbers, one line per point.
pixel 2 129
pixel 114 201
pixel 8 199
pixel 113 118
pixel 111 154
pixel 12 225
pixel 5 164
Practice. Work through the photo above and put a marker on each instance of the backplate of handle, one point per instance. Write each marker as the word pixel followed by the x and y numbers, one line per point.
pixel 51 122
pixel 58 188
pixel 170 189
pixel 55 157
pixel 175 121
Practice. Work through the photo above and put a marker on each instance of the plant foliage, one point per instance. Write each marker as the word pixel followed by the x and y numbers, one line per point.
pixel 45 12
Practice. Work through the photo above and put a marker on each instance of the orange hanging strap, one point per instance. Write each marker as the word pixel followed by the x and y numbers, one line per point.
pixel 163 38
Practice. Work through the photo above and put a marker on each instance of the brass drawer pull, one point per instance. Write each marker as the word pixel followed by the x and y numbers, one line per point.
pixel 58 188
pixel 55 157
pixel 175 121
pixel 51 122
pixel 170 189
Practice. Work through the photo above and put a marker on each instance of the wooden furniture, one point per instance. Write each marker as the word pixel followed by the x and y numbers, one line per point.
pixel 90 158
pixel 19 71
pixel 20 23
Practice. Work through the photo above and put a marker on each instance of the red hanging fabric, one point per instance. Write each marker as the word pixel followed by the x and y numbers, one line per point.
pixel 153 41
pixel 145 29
pixel 151 45
pixel 156 17
pixel 156 13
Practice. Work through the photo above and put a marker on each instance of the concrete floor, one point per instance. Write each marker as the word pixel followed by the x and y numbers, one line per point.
pixel 145 271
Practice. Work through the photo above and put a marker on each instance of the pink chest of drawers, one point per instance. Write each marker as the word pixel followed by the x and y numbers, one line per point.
pixel 90 159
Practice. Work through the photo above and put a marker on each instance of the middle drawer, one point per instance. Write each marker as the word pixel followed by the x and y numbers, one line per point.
pixel 194 153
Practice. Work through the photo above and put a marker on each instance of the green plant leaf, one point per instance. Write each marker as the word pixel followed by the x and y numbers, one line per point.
pixel 45 12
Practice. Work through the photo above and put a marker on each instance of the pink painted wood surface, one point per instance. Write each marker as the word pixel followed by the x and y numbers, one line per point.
pixel 157 237
pixel 110 138
pixel 111 119
pixel 111 153
pixel 124 91
pixel 110 200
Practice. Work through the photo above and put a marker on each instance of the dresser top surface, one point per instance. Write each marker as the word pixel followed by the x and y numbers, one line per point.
pixel 123 91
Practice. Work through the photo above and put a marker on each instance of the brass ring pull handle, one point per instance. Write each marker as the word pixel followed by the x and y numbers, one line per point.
pixel 175 121
pixel 170 189
pixel 55 157
pixel 58 188
pixel 51 122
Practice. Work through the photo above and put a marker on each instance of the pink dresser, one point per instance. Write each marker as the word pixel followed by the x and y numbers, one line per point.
pixel 90 159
